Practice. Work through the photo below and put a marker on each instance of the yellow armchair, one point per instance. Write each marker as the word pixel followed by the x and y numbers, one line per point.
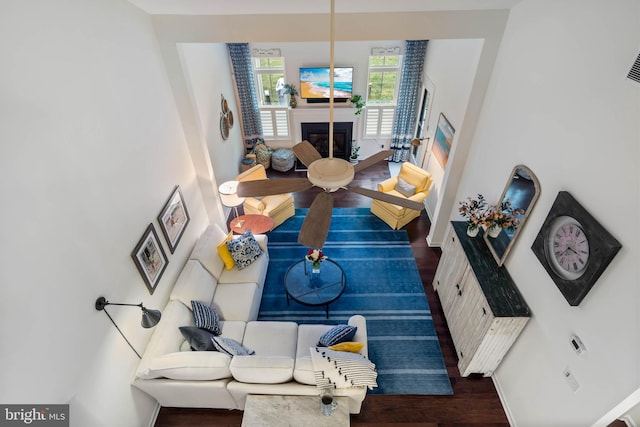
pixel 279 207
pixel 415 184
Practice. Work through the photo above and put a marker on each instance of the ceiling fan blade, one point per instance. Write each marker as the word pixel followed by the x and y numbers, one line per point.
pixel 306 152
pixel 317 222
pixel 267 187
pixel 372 160
pixel 394 200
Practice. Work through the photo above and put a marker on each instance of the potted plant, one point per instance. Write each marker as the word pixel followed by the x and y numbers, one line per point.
pixel 358 103
pixel 502 216
pixel 473 210
pixel 355 148
pixel 290 90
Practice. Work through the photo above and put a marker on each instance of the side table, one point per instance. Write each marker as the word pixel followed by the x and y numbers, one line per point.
pixel 258 224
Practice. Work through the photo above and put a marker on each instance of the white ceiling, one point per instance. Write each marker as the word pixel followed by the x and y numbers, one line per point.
pixel 243 7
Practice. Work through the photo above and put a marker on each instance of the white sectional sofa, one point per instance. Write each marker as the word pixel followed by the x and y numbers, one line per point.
pixel 176 376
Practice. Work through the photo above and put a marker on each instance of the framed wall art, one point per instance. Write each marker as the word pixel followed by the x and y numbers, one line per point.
pixel 442 140
pixel 149 258
pixel 174 218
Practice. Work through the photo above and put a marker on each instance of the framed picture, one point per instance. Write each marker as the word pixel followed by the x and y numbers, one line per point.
pixel 174 219
pixel 149 258
pixel 442 140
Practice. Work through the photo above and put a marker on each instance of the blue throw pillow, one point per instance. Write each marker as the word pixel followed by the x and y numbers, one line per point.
pixel 230 347
pixel 198 339
pixel 206 317
pixel 244 250
pixel 336 335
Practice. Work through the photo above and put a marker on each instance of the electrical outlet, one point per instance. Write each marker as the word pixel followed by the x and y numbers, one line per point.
pixel 571 380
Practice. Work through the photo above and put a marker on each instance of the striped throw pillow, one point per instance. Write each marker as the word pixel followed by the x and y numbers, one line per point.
pixel 336 335
pixel 206 317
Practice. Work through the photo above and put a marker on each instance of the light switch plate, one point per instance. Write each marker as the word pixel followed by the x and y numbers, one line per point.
pixel 571 379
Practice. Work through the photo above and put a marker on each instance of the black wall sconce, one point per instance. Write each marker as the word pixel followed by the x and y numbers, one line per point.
pixel 150 318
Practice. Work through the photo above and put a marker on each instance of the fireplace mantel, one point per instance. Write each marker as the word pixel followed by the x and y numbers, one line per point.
pixel 319 115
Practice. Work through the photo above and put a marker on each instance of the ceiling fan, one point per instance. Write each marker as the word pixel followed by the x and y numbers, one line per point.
pixel 329 173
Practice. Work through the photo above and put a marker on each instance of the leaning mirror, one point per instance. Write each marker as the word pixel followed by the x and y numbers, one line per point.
pixel 519 196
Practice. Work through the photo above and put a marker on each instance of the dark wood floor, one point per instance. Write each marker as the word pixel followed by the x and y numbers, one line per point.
pixel 474 402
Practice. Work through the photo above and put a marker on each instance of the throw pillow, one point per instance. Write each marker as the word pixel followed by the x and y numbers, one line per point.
pixel 404 188
pixel 336 335
pixel 206 317
pixel 350 346
pixel 339 369
pixel 244 250
pixel 224 253
pixel 230 347
pixel 198 339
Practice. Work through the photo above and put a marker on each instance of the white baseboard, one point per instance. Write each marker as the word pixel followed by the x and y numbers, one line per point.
pixel 628 421
pixel 154 416
pixel 506 408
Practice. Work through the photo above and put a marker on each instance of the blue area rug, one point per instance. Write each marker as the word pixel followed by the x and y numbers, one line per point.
pixel 383 284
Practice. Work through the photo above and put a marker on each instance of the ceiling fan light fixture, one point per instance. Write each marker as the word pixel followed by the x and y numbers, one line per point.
pixel 330 173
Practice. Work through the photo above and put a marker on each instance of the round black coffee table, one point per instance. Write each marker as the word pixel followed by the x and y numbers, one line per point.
pixel 315 289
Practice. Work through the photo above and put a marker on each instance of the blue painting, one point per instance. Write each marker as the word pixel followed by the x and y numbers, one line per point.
pixel 442 140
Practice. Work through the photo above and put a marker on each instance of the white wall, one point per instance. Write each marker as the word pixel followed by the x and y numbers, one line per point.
pixel 559 102
pixel 208 70
pixel 91 150
pixel 451 65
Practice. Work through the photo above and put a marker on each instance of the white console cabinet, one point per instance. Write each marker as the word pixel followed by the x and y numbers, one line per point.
pixel 483 307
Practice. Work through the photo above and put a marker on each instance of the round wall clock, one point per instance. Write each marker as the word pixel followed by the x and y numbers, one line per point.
pixel 573 247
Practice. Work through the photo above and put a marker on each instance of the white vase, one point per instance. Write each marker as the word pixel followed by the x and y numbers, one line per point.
pixel 494 230
pixel 472 232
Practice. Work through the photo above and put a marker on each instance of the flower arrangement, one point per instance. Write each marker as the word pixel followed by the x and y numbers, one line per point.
pixel 473 210
pixel 316 257
pixel 503 216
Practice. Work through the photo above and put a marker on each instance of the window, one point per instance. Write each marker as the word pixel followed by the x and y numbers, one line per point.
pixel 270 79
pixel 268 71
pixel 384 79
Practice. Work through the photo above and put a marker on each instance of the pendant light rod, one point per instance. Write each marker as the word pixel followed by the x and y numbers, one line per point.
pixel 331 72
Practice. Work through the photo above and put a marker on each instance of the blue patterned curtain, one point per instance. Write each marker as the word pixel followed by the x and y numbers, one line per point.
pixel 408 98
pixel 247 93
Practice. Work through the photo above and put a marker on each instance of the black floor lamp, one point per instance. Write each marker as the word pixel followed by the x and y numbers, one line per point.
pixel 150 318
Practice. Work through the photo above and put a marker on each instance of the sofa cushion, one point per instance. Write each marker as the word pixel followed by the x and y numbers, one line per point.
pixel 206 250
pixel 275 349
pixel 198 339
pixel 337 334
pixel 230 347
pixel 205 317
pixel 308 336
pixel 224 253
pixel 237 301
pixel 166 337
pixel 262 369
pixel 271 338
pixel 191 365
pixel 232 329
pixel 194 283
pixel 244 250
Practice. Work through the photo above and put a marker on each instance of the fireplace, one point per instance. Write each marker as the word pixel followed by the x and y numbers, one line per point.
pixel 318 135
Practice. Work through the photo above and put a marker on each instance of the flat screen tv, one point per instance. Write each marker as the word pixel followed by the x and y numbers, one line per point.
pixel 314 83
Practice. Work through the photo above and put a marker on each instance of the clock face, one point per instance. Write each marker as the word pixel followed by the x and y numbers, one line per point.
pixel 568 247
